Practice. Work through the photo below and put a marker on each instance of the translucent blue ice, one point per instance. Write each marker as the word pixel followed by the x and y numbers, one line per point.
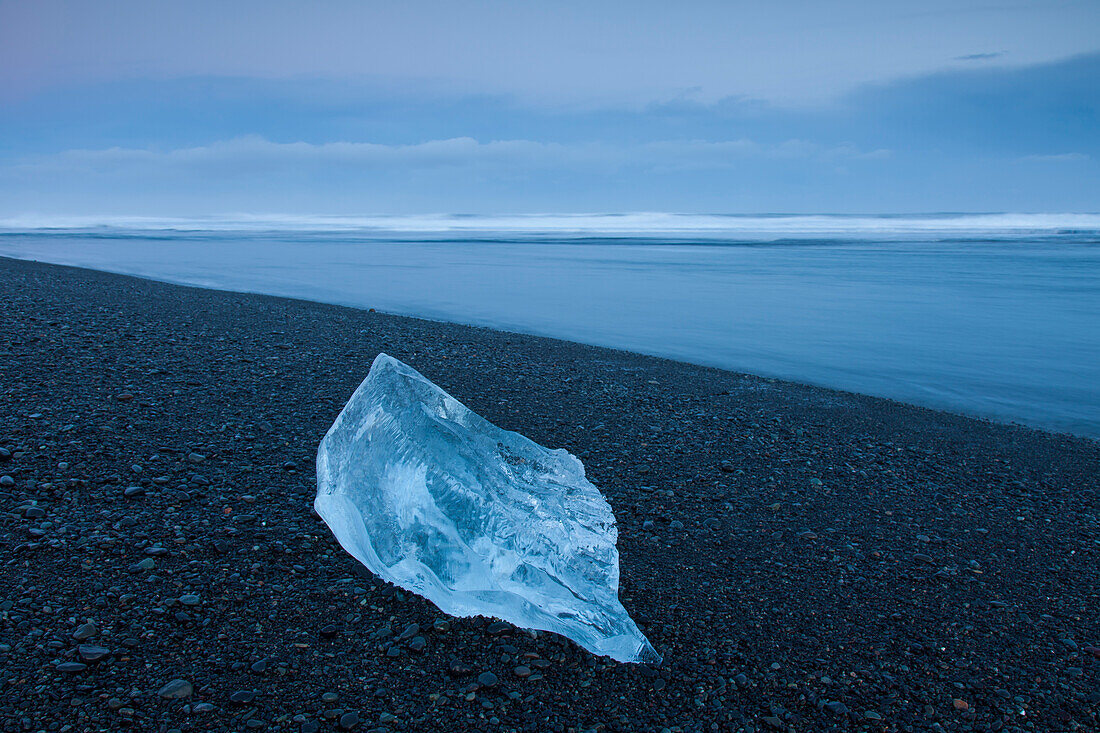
pixel 478 520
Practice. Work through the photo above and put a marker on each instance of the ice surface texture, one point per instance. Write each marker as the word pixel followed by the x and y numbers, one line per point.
pixel 479 520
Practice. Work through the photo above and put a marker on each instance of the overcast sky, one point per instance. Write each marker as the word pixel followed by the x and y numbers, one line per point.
pixel 372 107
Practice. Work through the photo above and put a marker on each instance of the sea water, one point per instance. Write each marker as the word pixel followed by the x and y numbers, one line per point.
pixel 989 315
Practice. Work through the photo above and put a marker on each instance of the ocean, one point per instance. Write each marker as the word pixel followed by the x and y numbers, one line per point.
pixel 992 315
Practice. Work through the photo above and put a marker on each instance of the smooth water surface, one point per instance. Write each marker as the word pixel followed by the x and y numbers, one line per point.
pixel 997 317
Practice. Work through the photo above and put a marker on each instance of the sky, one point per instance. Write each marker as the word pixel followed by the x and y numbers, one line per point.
pixel 206 108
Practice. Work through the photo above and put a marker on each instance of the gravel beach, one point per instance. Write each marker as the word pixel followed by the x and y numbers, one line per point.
pixel 804 559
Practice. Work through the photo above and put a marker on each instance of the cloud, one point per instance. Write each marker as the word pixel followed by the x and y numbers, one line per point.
pixel 577 51
pixel 981 137
pixel 251 154
pixel 981 56
pixel 1057 158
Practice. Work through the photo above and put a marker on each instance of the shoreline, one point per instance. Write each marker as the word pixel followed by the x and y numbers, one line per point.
pixel 990 419
pixel 817 559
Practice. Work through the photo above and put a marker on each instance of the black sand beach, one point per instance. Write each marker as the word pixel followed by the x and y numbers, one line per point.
pixel 817 560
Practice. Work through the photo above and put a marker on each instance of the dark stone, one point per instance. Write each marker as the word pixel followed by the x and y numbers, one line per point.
pixel 146 564
pixel 92 653
pixel 85 631
pixel 176 690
